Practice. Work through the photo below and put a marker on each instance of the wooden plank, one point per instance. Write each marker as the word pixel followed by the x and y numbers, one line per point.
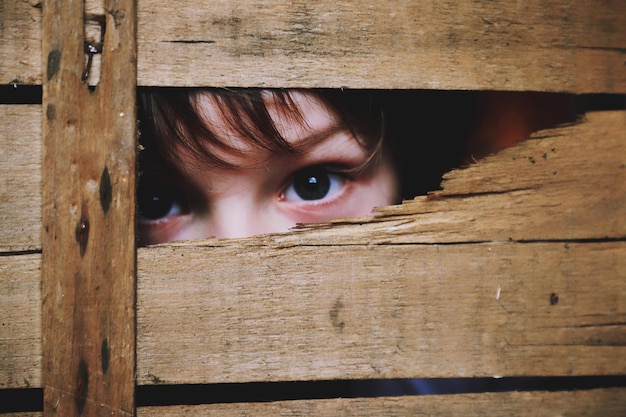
pixel 20 321
pixel 238 314
pixel 559 45
pixel 603 402
pixel 20 42
pixel 88 264
pixel 20 178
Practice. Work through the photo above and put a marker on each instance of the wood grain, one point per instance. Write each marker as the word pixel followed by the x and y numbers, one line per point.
pixel 88 263
pixel 20 41
pixel 607 402
pixel 559 45
pixel 20 178
pixel 233 314
pixel 20 321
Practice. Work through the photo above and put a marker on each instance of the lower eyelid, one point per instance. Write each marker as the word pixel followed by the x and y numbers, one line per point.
pixel 161 230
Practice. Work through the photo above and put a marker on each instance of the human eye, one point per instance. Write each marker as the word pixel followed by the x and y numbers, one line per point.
pixel 313 184
pixel 158 202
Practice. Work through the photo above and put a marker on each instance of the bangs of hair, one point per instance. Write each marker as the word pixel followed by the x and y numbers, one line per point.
pixel 170 120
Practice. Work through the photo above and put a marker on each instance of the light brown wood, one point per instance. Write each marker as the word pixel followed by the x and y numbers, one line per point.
pixel 563 45
pixel 447 285
pixel 235 314
pixel 605 402
pixel 20 178
pixel 20 321
pixel 20 41
pixel 88 264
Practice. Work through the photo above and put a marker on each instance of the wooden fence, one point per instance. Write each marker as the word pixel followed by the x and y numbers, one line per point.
pixel 516 268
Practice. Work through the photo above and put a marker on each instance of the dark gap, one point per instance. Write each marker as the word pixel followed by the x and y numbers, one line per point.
pixel 21 252
pixel 21 400
pixel 20 94
pixel 31 399
pixel 163 395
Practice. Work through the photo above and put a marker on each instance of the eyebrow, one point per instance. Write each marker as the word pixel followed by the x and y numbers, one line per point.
pixel 314 138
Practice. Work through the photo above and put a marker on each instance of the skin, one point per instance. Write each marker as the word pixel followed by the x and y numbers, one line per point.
pixel 261 195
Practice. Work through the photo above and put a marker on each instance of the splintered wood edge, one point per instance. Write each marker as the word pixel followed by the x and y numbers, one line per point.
pixel 541 172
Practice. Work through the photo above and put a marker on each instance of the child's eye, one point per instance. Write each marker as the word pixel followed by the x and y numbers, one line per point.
pixel 157 202
pixel 314 183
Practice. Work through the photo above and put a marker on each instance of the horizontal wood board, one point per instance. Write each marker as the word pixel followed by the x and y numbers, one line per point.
pixel 437 243
pixel 605 402
pixel 559 45
pixel 386 311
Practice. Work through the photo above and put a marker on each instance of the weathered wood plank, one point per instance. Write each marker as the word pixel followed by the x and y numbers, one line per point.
pixel 20 178
pixel 472 44
pixel 88 264
pixel 463 329
pixel 235 314
pixel 20 41
pixel 559 45
pixel 20 321
pixel 604 402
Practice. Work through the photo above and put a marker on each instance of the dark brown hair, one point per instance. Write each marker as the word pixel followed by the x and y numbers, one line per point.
pixel 423 131
pixel 169 119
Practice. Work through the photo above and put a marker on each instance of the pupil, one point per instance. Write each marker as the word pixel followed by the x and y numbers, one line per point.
pixel 154 204
pixel 312 184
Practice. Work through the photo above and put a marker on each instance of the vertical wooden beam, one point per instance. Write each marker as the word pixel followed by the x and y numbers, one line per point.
pixel 88 270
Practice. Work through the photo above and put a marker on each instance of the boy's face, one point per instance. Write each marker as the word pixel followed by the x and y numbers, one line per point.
pixel 266 192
